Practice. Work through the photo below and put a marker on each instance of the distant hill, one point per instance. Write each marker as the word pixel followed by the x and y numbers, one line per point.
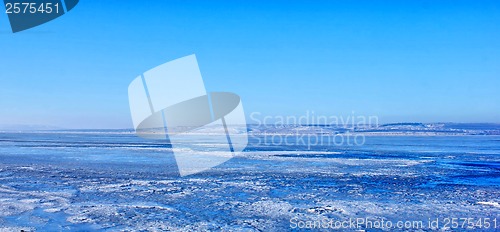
pixel 406 128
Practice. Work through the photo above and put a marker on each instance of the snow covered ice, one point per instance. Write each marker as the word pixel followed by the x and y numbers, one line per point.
pixel 113 180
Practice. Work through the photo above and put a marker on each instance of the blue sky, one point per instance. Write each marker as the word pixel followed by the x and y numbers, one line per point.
pixel 425 61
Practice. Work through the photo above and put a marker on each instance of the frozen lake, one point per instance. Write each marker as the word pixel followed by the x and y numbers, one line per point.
pixel 113 180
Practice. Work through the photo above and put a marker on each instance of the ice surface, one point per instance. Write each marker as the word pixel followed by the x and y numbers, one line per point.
pixel 112 180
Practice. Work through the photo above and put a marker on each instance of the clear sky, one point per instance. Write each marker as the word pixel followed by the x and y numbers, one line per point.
pixel 425 61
